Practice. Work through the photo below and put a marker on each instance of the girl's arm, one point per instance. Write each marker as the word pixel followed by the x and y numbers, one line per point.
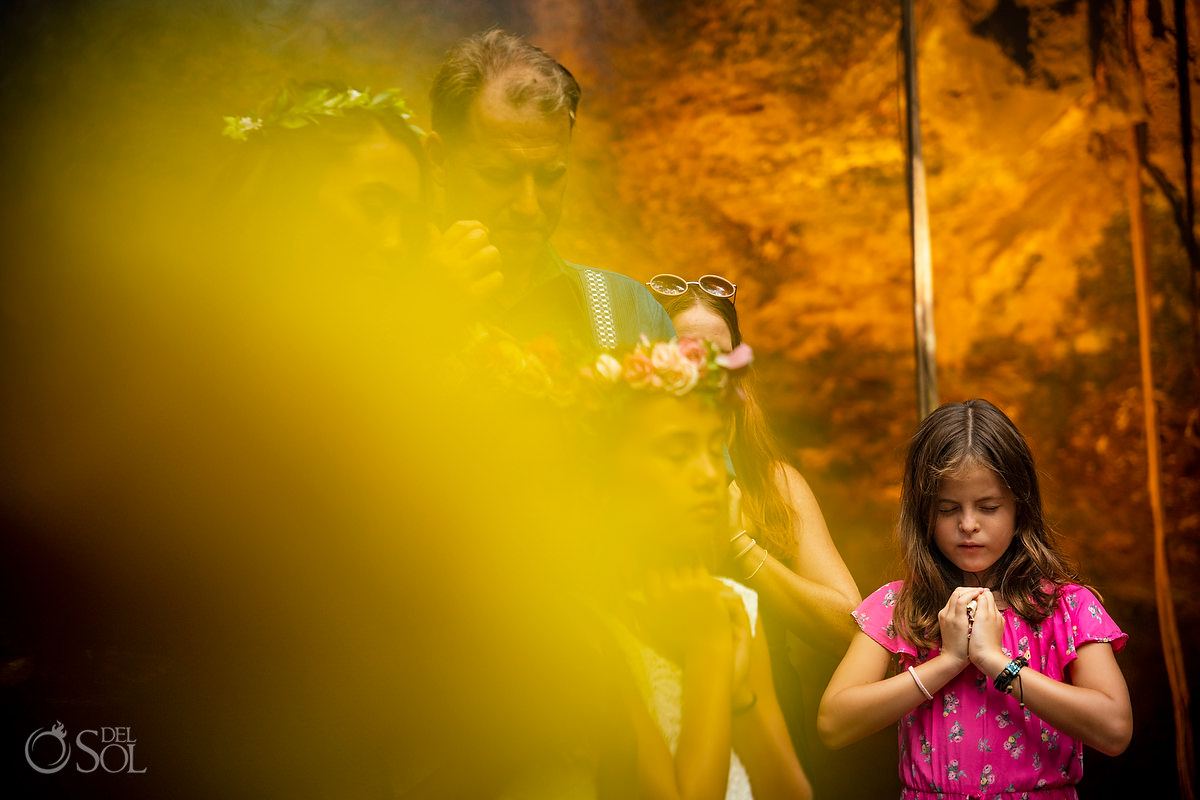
pixel 814 600
pixel 700 767
pixel 1093 708
pixel 687 617
pixel 861 699
pixel 760 735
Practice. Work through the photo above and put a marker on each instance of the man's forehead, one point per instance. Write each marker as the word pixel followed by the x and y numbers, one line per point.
pixel 494 120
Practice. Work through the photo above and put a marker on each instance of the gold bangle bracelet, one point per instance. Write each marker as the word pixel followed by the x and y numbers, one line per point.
pixel 766 555
pixel 746 549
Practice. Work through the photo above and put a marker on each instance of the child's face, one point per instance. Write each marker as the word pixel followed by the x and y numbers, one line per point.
pixel 976 517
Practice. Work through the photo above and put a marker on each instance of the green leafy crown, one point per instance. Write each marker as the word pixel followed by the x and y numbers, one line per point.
pixel 295 108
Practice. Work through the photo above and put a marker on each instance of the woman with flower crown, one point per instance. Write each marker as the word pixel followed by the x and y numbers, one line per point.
pixel 701 699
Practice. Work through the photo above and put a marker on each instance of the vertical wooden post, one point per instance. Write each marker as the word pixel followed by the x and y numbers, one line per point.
pixel 1183 80
pixel 1168 627
pixel 925 340
pixel 1167 624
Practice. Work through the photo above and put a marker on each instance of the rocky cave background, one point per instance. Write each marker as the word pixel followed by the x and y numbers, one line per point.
pixel 763 141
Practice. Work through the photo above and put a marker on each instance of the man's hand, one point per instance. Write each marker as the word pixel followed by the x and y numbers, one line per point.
pixel 467 259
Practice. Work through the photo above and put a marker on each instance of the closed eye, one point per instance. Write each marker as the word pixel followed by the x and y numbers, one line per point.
pixel 548 177
pixel 675 447
pixel 378 199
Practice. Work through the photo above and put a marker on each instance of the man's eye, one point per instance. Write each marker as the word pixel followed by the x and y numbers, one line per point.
pixel 548 177
pixel 498 175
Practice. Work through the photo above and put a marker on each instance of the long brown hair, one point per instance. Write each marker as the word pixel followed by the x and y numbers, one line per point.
pixel 1034 567
pixel 752 447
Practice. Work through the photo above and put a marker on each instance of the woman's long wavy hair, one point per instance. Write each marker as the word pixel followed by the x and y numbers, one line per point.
pixel 1033 569
pixel 752 447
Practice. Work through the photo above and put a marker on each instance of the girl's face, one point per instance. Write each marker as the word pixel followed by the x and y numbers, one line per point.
pixel 699 322
pixel 976 520
pixel 671 460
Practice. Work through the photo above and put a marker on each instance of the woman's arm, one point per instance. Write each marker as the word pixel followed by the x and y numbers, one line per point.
pixel 760 735
pixel 861 699
pixel 815 600
pixel 1093 708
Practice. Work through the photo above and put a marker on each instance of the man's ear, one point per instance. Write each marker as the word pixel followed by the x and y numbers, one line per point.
pixel 435 150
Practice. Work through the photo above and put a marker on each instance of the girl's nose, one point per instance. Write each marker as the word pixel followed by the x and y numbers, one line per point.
pixel 969 523
pixel 708 471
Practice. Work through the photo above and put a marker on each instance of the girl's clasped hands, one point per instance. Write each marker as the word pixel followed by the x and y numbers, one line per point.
pixel 972 626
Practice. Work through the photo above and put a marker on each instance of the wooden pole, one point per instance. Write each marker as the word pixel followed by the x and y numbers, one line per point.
pixel 1183 79
pixel 1165 603
pixel 1168 627
pixel 925 341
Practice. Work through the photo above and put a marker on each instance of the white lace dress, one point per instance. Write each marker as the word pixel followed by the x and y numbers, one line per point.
pixel 665 700
pixel 660 682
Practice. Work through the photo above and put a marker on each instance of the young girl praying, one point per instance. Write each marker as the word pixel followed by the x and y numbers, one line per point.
pixel 1004 664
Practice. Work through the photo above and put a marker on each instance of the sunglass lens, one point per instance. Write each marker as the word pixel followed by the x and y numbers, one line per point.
pixel 668 284
pixel 717 286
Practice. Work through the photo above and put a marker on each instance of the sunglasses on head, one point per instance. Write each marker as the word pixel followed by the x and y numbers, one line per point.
pixel 673 285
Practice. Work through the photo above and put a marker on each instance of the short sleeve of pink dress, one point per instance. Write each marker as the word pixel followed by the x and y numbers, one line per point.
pixel 972 741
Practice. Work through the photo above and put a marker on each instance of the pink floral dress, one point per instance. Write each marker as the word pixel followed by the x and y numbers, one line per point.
pixel 972 741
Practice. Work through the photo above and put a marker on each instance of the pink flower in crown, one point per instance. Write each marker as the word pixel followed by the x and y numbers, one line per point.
pixel 545 349
pixel 739 357
pixel 639 372
pixel 534 379
pixel 694 351
pixel 608 368
pixel 679 375
pixel 500 357
pixel 665 355
pixel 682 381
